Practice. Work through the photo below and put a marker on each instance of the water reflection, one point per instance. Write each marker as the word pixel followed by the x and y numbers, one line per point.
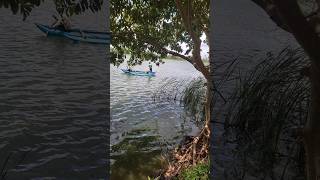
pixel 142 156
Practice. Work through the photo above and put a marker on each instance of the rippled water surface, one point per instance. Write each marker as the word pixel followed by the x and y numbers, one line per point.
pixel 52 100
pixel 141 127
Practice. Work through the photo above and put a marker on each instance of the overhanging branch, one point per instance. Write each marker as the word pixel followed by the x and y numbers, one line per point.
pixel 177 54
pixel 301 29
pixel 157 46
pixel 273 13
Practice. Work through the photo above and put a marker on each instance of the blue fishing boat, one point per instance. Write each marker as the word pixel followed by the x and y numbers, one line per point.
pixel 139 73
pixel 77 35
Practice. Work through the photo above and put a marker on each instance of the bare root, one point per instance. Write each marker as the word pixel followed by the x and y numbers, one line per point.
pixel 189 154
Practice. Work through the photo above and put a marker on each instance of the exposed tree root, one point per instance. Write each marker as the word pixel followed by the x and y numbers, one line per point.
pixel 194 151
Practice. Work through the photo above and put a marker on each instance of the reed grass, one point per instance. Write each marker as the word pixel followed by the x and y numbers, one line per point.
pixel 265 115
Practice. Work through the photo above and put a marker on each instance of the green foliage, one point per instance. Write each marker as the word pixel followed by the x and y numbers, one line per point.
pixel 72 7
pixel 63 7
pixel 22 6
pixel 157 178
pixel 147 28
pixel 197 172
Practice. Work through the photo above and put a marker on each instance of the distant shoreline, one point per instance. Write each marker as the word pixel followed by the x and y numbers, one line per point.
pixel 175 58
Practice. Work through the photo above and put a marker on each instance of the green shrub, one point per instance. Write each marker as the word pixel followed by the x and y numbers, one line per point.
pixel 197 172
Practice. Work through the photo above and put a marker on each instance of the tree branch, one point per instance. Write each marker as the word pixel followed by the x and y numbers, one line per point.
pixel 187 21
pixel 177 54
pixel 157 46
pixel 273 13
pixel 174 53
pixel 301 29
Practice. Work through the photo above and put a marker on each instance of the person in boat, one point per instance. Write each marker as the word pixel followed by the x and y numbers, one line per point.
pixel 61 23
pixel 150 67
pixel 129 68
pixel 64 24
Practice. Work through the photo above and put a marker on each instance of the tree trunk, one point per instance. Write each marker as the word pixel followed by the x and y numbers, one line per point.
pixel 312 128
pixel 309 40
pixel 209 96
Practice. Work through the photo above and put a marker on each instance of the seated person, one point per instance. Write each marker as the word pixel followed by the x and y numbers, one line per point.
pixel 62 23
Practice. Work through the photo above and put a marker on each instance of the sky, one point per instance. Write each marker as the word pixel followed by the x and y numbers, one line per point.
pixel 204 48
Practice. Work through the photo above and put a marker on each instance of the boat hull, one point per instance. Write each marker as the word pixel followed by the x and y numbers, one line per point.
pixel 78 35
pixel 139 73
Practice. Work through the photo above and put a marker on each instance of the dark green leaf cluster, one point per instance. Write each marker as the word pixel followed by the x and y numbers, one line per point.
pixel 63 7
pixel 147 29
pixel 22 6
pixel 72 7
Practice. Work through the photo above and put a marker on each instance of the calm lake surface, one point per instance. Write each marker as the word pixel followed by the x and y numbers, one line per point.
pixel 52 100
pixel 141 127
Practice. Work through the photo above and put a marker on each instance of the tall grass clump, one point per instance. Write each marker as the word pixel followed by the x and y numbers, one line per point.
pixel 265 116
pixel 190 94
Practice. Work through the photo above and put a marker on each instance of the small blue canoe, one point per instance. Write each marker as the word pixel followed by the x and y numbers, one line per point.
pixel 139 73
pixel 77 35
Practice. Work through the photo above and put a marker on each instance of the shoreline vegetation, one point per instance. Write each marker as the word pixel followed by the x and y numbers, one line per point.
pixel 205 59
pixel 171 57
pixel 189 157
pixel 270 104
pixel 199 171
pixel 242 103
pixel 175 58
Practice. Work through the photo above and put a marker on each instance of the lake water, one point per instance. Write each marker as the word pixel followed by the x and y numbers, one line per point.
pixel 52 100
pixel 141 128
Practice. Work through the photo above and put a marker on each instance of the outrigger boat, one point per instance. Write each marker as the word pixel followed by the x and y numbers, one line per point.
pixel 139 73
pixel 77 35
